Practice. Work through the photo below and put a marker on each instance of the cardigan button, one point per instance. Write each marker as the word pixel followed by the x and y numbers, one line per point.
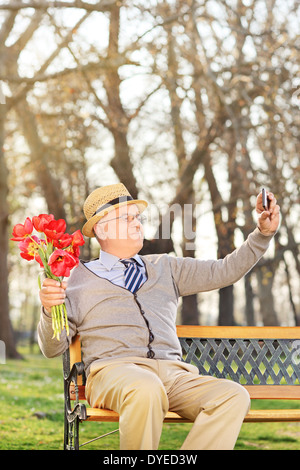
pixel 150 354
pixel 151 336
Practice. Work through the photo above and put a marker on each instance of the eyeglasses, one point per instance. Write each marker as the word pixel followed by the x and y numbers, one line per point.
pixel 128 218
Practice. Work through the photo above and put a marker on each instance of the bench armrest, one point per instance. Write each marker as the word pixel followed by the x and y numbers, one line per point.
pixel 79 409
pixel 77 369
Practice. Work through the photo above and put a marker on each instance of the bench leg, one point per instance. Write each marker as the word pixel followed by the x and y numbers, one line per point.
pixel 71 434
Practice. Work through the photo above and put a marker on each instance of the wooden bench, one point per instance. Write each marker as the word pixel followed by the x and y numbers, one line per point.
pixel 263 359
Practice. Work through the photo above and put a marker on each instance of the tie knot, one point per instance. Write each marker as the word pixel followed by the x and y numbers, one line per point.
pixel 133 274
pixel 128 262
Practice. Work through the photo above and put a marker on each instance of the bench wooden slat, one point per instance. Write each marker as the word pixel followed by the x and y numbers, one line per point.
pixel 254 416
pixel 274 392
pixel 258 332
pixel 98 414
pixel 272 416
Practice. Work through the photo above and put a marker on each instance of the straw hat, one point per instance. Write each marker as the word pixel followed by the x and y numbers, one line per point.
pixel 103 200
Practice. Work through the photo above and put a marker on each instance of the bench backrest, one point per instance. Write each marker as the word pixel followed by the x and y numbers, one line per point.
pixel 260 358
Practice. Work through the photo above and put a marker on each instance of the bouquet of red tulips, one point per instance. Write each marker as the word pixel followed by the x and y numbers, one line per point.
pixel 57 252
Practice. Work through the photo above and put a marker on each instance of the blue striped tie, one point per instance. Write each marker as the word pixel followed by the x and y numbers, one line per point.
pixel 133 275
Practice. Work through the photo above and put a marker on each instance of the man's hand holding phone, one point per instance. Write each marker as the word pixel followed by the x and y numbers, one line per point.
pixel 269 213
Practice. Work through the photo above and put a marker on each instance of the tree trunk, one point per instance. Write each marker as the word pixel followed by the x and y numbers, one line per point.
pixel 249 308
pixel 226 302
pixel 40 158
pixel 189 311
pixel 6 331
pixel 118 119
pixel 265 277
pixel 225 233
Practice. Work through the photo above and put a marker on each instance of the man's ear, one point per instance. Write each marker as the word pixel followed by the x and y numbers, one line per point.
pixel 99 231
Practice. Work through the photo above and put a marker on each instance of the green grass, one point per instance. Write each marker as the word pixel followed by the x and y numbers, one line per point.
pixel 31 415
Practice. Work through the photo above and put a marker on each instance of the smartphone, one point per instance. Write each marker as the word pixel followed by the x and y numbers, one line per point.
pixel 265 202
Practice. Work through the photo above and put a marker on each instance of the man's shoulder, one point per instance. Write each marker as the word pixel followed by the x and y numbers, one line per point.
pixel 154 258
pixel 78 273
pixel 160 260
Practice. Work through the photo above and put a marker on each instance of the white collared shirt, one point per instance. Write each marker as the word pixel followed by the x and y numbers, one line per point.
pixel 110 267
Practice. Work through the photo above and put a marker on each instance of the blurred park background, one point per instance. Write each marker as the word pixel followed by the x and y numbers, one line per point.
pixel 192 103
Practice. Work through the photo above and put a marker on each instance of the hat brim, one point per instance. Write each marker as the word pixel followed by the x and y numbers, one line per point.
pixel 87 229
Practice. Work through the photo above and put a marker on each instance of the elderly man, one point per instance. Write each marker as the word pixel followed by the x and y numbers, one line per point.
pixel 124 307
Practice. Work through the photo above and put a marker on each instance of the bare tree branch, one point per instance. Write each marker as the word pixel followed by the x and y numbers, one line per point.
pixel 29 31
pixel 106 64
pixel 6 29
pixel 104 5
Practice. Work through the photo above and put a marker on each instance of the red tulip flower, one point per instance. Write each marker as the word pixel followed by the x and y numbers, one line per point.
pixel 77 238
pixel 61 262
pixel 41 221
pixel 77 241
pixel 30 249
pixel 55 229
pixel 63 242
pixel 21 231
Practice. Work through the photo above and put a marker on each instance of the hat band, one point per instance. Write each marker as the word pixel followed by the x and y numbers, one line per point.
pixel 118 200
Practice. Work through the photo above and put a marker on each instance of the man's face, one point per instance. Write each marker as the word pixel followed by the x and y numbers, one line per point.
pixel 121 230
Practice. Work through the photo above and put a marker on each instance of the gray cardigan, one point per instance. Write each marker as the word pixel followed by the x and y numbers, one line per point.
pixel 111 320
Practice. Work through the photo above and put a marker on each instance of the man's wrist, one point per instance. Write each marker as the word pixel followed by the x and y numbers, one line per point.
pixel 264 233
pixel 46 313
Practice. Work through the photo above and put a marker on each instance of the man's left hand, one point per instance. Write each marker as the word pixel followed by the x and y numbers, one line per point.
pixel 268 221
